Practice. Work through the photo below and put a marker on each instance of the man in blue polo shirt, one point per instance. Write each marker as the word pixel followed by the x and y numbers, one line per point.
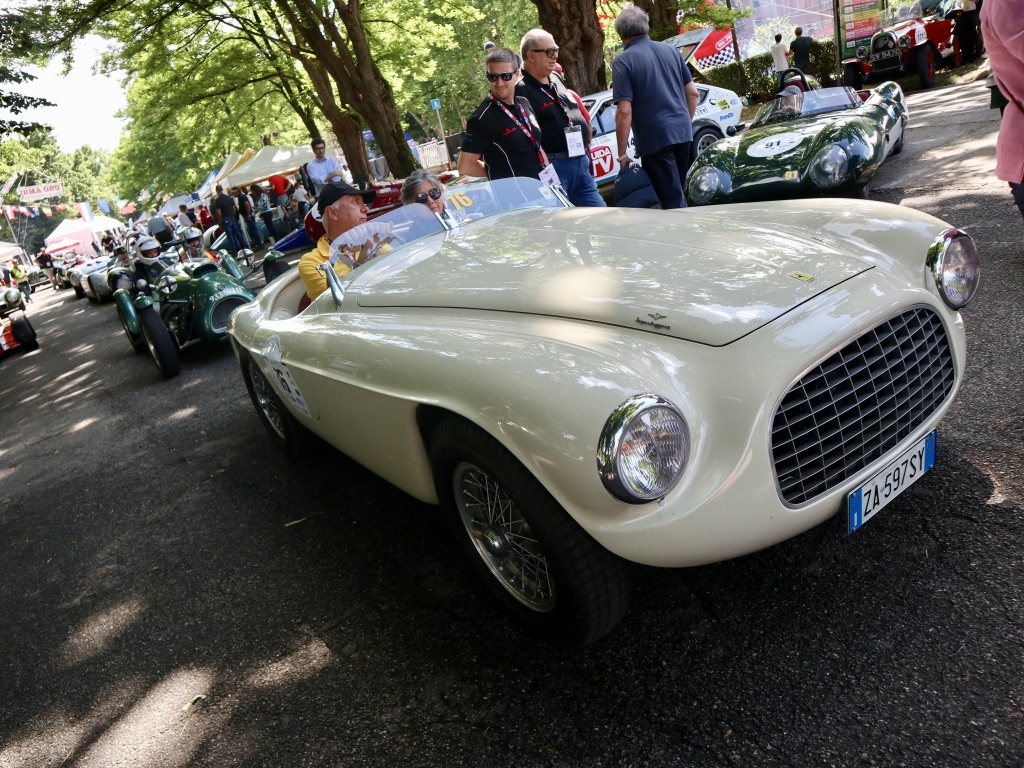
pixel 656 99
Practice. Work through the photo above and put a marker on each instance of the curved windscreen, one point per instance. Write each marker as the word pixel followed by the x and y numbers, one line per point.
pixel 462 203
pixel 790 106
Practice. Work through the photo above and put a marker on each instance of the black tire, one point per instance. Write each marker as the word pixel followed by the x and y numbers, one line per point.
pixel 898 146
pixel 79 292
pixel 542 567
pixel 704 138
pixel 853 76
pixel 291 438
pixel 161 344
pixel 274 269
pixel 926 66
pixel 23 332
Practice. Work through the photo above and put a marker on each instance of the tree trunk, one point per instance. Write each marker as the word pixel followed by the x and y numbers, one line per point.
pixel 664 18
pixel 573 24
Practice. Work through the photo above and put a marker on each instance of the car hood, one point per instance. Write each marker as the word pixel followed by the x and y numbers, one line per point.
pixel 763 153
pixel 705 277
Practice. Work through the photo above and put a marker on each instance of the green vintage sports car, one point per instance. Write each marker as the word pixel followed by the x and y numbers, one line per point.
pixel 805 143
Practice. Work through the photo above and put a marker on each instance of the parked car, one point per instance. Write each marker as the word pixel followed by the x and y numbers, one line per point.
pixel 78 275
pixel 923 38
pixel 176 301
pixel 828 141
pixel 582 388
pixel 62 263
pixel 717 115
pixel 16 331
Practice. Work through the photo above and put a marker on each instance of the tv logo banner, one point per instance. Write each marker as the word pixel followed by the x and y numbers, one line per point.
pixel 40 192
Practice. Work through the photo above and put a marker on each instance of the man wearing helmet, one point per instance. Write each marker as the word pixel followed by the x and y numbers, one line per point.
pixel 147 262
pixel 193 240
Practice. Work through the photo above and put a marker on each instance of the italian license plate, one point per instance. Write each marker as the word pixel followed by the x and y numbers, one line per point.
pixel 900 474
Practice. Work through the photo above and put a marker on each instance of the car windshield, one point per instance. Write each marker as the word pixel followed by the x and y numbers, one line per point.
pixel 805 104
pixel 462 203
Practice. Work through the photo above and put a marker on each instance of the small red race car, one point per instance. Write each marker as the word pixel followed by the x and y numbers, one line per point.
pixel 16 332
pixel 923 38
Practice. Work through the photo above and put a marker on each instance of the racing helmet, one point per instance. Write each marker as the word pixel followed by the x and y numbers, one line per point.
pixel 149 250
pixel 193 239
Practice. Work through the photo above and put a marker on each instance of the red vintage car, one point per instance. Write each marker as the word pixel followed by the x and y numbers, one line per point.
pixel 15 329
pixel 922 39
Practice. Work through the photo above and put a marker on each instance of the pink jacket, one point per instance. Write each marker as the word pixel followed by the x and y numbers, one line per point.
pixel 1002 23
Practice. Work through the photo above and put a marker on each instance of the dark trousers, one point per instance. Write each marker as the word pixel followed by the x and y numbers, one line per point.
pixel 163 236
pixel 1017 190
pixel 667 168
pixel 235 240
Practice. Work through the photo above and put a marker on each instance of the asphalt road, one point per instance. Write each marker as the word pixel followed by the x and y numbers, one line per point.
pixel 174 593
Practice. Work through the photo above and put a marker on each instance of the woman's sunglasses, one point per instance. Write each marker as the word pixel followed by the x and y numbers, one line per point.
pixel 506 76
pixel 434 194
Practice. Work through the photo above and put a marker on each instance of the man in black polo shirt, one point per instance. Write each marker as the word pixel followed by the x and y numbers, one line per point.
pixel 801 50
pixel 502 136
pixel 226 213
pixel 565 134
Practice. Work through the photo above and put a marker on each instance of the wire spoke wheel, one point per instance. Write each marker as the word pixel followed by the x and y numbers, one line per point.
pixel 266 401
pixel 503 538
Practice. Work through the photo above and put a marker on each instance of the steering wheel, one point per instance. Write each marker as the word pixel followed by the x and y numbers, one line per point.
pixel 784 75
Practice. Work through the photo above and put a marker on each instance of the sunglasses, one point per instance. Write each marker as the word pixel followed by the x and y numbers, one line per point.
pixel 506 76
pixel 434 194
pixel 551 52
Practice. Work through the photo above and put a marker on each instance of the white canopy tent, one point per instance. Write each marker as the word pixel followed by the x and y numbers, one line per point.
pixel 9 250
pixel 268 162
pixel 231 162
pixel 97 225
pixel 171 206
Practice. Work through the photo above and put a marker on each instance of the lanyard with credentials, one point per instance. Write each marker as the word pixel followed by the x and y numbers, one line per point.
pixel 573 132
pixel 522 126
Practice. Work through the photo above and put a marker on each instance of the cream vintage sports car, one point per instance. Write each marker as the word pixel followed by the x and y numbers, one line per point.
pixel 582 388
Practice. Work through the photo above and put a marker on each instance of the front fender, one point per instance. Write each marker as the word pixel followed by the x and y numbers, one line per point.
pixel 209 292
pixel 126 308
pixel 230 265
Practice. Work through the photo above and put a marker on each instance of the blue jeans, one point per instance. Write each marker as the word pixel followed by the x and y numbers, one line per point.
pixel 236 241
pixel 577 181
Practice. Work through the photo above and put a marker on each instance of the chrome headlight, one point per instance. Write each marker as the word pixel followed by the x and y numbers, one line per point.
pixel 704 184
pixel 862 52
pixel 829 166
pixel 141 284
pixel 124 282
pixel 166 285
pixel 904 42
pixel 955 264
pixel 643 450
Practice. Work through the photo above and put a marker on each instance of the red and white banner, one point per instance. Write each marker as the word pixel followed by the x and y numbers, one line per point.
pixel 10 183
pixel 40 191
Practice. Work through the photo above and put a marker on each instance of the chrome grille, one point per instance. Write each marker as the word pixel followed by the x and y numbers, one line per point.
pixel 860 403
pixel 222 313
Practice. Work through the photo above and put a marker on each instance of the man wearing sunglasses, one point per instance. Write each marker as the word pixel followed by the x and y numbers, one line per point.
pixel 656 98
pixel 503 138
pixel 565 133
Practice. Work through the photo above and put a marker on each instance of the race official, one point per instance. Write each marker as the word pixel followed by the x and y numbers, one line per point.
pixel 565 132
pixel 503 137
pixel 656 99
pixel 341 207
pixel 1002 24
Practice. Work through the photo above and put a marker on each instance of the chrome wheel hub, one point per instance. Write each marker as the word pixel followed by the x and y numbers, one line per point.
pixel 503 538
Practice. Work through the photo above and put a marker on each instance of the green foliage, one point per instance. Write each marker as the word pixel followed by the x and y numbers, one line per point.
pixel 765 31
pixel 18 43
pixel 37 159
pixel 695 14
pixel 761 76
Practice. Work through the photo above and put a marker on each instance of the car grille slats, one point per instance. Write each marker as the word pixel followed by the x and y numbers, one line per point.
pixel 222 312
pixel 860 403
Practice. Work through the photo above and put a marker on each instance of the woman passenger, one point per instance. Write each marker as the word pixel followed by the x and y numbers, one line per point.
pixel 424 187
